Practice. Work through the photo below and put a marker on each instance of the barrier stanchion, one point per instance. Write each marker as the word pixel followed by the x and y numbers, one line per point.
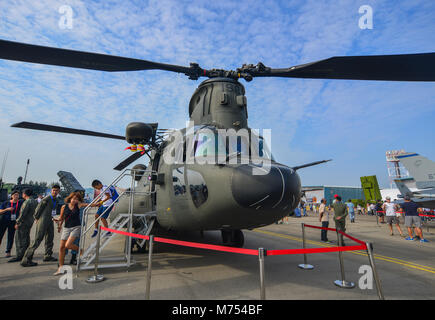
pixel 262 286
pixel 96 277
pixel 305 265
pixel 369 246
pixel 342 283
pixel 261 253
pixel 149 269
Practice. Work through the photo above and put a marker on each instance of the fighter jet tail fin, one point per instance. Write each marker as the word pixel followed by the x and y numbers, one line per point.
pixel 420 168
pixel 404 190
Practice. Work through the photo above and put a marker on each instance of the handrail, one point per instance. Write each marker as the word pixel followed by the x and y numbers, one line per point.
pixel 98 219
pixel 131 192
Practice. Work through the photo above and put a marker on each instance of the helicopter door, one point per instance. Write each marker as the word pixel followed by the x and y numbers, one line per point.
pixel 179 187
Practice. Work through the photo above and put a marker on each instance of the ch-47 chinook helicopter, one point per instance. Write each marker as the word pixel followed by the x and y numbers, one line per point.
pixel 224 196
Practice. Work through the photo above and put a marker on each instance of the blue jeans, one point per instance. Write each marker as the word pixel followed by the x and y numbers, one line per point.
pixel 352 216
pixel 297 212
pixel 6 224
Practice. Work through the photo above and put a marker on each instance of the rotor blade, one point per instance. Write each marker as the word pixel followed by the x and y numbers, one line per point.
pixel 124 164
pixel 46 127
pixel 310 164
pixel 403 67
pixel 77 59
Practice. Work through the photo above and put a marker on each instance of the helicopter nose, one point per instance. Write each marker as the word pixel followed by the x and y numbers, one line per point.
pixel 279 189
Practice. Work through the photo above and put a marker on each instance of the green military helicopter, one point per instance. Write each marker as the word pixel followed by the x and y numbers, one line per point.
pixel 231 193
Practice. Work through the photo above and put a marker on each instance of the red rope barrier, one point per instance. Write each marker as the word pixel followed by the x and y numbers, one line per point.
pixel 247 251
pixel 344 234
pixel 188 244
pixel 315 250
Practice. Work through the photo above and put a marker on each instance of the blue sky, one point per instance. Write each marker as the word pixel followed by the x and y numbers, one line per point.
pixel 352 122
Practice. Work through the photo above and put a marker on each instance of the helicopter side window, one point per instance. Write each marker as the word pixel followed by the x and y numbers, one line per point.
pixel 198 188
pixel 178 181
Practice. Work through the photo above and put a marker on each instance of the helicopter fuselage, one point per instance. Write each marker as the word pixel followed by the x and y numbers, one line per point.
pixel 197 191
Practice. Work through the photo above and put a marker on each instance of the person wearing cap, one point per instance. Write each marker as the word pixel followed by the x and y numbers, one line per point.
pixel 9 212
pixel 24 224
pixel 390 212
pixel 412 218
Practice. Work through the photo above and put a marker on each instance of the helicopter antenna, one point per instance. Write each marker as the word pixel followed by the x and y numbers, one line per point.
pixel 3 167
pixel 310 164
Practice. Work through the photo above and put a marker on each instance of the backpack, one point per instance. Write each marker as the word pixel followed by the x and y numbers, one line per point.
pixel 114 193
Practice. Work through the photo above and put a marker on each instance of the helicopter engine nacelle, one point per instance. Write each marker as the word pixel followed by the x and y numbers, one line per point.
pixel 139 133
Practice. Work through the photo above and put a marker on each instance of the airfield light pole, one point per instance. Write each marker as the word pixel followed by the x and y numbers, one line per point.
pixel 27 167
pixel 3 168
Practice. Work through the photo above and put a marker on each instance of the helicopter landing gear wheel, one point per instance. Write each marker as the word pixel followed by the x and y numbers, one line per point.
pixel 233 238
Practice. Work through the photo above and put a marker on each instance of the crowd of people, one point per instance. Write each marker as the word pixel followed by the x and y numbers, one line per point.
pixel 19 214
pixel 383 210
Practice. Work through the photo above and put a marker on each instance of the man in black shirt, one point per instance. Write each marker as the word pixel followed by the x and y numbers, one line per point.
pixel 412 219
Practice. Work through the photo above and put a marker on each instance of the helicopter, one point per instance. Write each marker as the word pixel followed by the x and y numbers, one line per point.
pixel 224 195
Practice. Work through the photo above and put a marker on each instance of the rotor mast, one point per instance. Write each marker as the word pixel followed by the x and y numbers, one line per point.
pixel 220 102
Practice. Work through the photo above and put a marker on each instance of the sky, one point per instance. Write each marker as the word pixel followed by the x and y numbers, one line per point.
pixel 351 122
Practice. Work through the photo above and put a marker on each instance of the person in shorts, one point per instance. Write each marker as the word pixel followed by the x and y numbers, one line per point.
pixel 70 214
pixel 379 212
pixel 390 213
pixel 412 219
pixel 105 205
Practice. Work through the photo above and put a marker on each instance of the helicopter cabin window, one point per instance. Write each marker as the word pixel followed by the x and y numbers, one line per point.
pixel 198 188
pixel 178 181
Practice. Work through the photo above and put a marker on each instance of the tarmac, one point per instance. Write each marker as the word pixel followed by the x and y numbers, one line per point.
pixel 406 268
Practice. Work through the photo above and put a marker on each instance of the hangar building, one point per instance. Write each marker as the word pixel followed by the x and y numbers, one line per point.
pixel 315 193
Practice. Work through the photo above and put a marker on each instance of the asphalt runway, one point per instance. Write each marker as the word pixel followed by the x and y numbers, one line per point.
pixel 406 268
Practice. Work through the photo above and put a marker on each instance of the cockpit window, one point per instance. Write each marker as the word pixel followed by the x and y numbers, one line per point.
pixel 208 141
